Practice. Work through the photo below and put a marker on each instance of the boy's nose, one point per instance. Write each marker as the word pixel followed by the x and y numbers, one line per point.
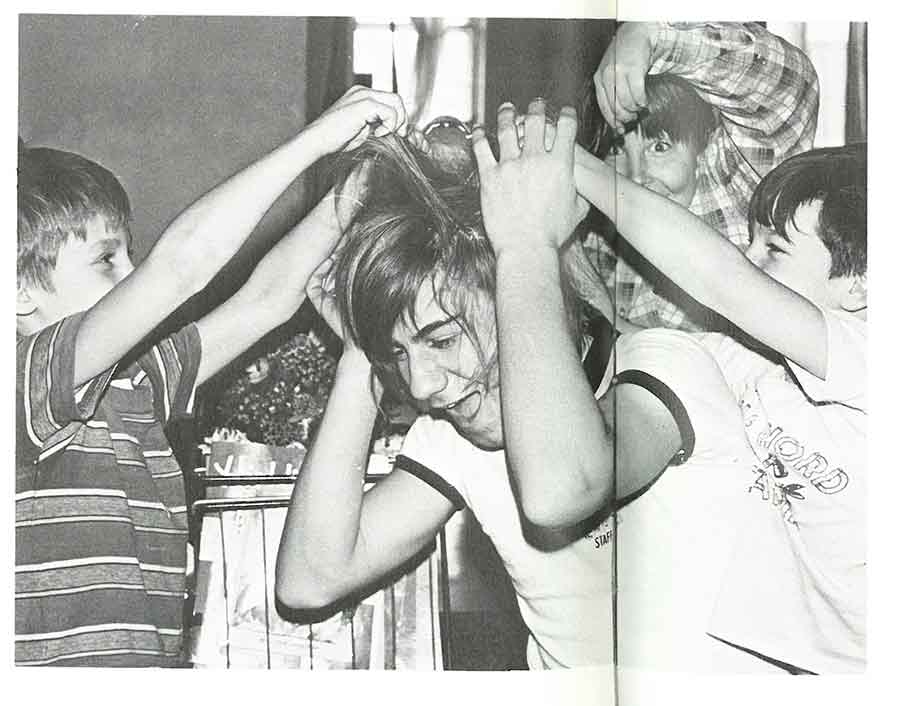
pixel 756 251
pixel 425 379
pixel 637 168
pixel 631 165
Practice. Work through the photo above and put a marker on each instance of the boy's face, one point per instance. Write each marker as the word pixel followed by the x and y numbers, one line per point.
pixel 441 367
pixel 663 166
pixel 85 271
pixel 802 263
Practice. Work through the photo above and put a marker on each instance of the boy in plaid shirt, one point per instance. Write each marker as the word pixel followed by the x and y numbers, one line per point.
pixel 698 113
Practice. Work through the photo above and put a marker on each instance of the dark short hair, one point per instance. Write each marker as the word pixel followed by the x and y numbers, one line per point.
pixel 674 108
pixel 834 176
pixel 419 224
pixel 58 194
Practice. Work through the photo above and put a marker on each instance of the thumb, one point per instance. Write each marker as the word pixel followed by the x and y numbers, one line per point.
pixel 481 148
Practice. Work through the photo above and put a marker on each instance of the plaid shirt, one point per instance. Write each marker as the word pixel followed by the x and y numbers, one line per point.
pixel 767 94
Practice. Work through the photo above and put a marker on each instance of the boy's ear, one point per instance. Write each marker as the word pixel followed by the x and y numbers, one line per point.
pixel 854 296
pixel 25 305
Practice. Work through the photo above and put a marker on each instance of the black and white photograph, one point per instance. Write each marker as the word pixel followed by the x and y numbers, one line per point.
pixel 530 350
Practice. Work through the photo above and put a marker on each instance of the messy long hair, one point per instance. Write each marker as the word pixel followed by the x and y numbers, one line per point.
pixel 419 224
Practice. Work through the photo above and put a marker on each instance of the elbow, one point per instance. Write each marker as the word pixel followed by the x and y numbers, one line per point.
pixel 304 593
pixel 562 504
pixel 303 584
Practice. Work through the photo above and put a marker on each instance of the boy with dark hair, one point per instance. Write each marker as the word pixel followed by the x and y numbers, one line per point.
pixel 464 306
pixel 699 113
pixel 101 522
pixel 412 291
pixel 795 588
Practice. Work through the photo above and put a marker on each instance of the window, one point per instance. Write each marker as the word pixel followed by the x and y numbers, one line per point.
pixel 445 79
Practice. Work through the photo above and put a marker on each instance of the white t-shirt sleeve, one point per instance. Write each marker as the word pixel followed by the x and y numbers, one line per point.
pixel 432 452
pixel 677 359
pixel 846 374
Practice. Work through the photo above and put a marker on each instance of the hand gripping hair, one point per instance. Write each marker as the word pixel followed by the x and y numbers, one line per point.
pixel 418 223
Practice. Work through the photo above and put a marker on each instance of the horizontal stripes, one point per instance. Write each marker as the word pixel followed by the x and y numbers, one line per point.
pixel 97 654
pixel 101 516
pixel 24 595
pixel 47 565
pixel 95 628
pixel 139 420
pixel 69 492
pixel 95 574
pixel 108 640
pixel 140 513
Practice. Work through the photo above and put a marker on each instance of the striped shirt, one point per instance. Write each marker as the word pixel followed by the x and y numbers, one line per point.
pixel 101 522
pixel 766 93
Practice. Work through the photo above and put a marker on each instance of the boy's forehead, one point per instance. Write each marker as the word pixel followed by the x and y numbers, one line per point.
pixel 804 221
pixel 806 218
pixel 434 308
pixel 426 313
pixel 100 228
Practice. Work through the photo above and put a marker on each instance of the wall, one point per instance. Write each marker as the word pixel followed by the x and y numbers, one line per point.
pixel 172 105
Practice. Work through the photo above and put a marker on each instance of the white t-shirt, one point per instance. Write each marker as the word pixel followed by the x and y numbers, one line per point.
pixel 563 583
pixel 674 540
pixel 795 588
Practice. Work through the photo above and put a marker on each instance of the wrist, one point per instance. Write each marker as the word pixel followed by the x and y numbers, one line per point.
pixel 528 265
pixel 313 141
pixel 354 363
pixel 355 372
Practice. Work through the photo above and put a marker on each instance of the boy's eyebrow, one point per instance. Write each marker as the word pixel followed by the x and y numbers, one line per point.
pixel 428 329
pixel 106 242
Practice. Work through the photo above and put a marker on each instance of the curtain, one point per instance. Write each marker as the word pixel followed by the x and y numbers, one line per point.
pixel 430 32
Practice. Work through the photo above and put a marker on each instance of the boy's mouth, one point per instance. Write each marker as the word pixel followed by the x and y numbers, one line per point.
pixel 465 408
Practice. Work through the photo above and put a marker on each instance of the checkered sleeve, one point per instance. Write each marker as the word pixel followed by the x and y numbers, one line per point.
pixel 765 89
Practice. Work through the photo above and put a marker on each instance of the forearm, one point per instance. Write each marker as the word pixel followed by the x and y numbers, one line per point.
pixel 556 439
pixel 764 86
pixel 316 558
pixel 274 292
pixel 690 253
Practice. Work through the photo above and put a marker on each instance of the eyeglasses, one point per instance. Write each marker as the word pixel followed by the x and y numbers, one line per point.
pixel 448 122
pixel 449 142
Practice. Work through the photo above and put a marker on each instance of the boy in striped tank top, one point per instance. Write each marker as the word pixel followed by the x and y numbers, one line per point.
pixel 101 517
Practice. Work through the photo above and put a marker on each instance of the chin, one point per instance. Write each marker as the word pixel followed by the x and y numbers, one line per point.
pixel 484 440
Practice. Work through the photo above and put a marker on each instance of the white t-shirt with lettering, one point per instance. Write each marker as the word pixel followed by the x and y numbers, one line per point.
pixel 796 587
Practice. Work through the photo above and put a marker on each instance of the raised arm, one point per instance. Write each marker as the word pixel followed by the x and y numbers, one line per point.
pixel 206 235
pixel 274 292
pixel 559 443
pixel 708 267
pixel 765 89
pixel 336 538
